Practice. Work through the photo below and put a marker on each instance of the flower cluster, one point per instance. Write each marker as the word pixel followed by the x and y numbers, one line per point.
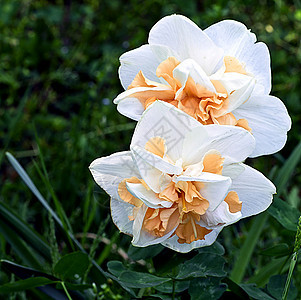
pixel 201 99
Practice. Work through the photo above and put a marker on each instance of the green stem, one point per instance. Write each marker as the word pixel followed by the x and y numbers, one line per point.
pixel 65 289
pixel 247 249
pixel 289 276
pixel 173 289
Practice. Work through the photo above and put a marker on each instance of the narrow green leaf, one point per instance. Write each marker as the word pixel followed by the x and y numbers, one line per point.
pixel 24 272
pixel 246 251
pixel 277 250
pixel 140 280
pixel 202 265
pixel 263 274
pixel 72 266
pixel 206 288
pixel 25 284
pixel 31 186
pixel 18 245
pixel 287 170
pixel 24 231
pixel 256 293
pixel 285 214
pixel 35 191
pixel 276 285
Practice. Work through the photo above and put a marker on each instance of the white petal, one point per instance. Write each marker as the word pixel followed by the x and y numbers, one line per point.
pixel 109 171
pixel 189 68
pixel 215 187
pixel 155 161
pixel 254 190
pixel 120 212
pixel 257 62
pixel 236 40
pixel 231 169
pixel 147 196
pixel 239 88
pixel 232 36
pixel 173 244
pixel 231 141
pixel 188 40
pixel 140 59
pixel 131 108
pixel 222 215
pixel 164 120
pixel 268 118
pixel 142 238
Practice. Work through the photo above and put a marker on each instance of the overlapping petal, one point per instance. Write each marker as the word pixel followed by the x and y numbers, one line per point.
pixel 181 203
pixel 223 77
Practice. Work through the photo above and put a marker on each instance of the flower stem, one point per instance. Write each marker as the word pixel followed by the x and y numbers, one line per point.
pixel 65 289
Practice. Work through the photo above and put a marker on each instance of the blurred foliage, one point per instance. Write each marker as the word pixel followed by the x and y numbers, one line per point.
pixel 58 76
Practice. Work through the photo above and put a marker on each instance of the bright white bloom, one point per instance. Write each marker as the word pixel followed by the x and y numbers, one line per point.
pixel 218 76
pixel 181 182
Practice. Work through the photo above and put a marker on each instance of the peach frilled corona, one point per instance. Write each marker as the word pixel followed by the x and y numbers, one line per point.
pixel 181 182
pixel 217 76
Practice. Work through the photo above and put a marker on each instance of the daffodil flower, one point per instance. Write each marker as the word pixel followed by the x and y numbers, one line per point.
pixel 181 182
pixel 217 76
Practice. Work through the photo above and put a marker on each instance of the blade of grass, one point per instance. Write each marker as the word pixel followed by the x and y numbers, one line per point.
pixel 19 247
pixel 24 231
pixel 48 185
pixel 59 209
pixel 247 249
pixel 13 123
pixel 287 170
pixel 264 274
pixel 35 191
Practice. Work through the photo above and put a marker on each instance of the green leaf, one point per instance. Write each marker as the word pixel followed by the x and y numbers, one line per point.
pixel 276 285
pixel 215 248
pixel 274 267
pixel 202 265
pixel 25 284
pixel 287 170
pixel 285 214
pixel 206 288
pixel 277 250
pixel 72 266
pixel 167 287
pixel 24 272
pixel 256 293
pixel 245 253
pixel 141 280
pixel 35 191
pixel 75 287
pixel 116 267
pixel 137 253
pixel 18 245
pixel 24 231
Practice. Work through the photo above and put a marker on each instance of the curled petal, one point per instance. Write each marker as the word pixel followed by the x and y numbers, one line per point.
pixel 109 171
pixel 254 190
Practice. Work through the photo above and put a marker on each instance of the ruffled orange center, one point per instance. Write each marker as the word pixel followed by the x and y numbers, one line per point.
pixel 205 106
pixel 188 205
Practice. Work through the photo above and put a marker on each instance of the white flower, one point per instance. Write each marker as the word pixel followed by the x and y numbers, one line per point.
pixel 181 182
pixel 218 76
